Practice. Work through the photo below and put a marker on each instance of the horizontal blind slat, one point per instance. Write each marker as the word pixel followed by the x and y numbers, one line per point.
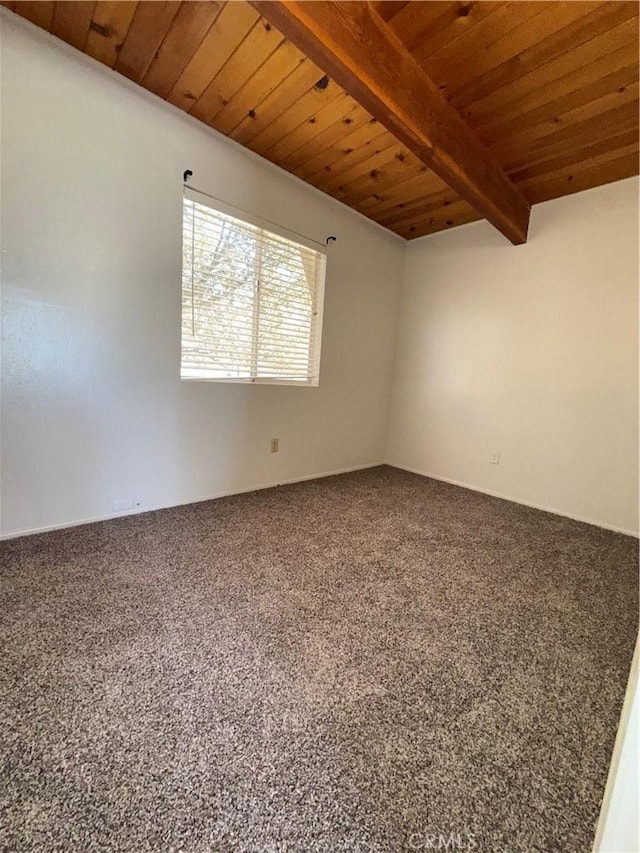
pixel 289 334
pixel 249 300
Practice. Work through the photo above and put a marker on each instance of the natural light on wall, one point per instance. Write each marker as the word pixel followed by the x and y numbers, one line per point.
pixel 251 300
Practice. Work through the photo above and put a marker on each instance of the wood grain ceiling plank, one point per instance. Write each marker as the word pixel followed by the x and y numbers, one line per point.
pixel 293 87
pixel 543 27
pixel 387 9
pixel 227 31
pixel 334 134
pixel 356 167
pixel 365 194
pixel 595 129
pixel 383 153
pixel 459 22
pixel 324 118
pixel 405 198
pixel 567 169
pixel 412 213
pixel 548 128
pixel 612 84
pixel 149 26
pixel 185 34
pixel 561 43
pixel 576 156
pixel 552 111
pixel 443 220
pixel 296 114
pixel 353 45
pixel 441 207
pixel 39 12
pixel 573 180
pixel 259 43
pixel 407 189
pixel 561 170
pixel 370 185
pixel 357 144
pixel 418 20
pixel 441 64
pixel 108 29
pixel 543 181
pixel 71 21
pixel 581 78
pixel 282 62
pixel 418 213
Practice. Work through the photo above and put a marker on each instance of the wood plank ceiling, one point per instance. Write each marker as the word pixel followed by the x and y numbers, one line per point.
pixel 550 87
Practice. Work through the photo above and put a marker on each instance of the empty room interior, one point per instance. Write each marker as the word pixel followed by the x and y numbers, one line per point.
pixel 319 426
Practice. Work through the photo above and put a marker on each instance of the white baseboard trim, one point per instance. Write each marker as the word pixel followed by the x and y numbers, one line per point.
pixel 15 534
pixel 503 497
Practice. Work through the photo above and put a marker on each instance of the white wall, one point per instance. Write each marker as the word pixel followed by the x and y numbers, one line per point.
pixel 92 407
pixel 618 825
pixel 530 351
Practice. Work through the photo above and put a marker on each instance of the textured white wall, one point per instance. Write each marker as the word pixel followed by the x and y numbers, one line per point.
pixel 618 826
pixel 530 351
pixel 92 407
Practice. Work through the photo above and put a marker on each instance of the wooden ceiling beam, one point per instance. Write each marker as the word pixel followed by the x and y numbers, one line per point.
pixel 353 45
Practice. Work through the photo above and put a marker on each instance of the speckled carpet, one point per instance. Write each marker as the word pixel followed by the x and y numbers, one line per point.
pixel 369 662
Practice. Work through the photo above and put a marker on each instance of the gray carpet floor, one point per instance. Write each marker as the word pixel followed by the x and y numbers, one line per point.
pixel 361 663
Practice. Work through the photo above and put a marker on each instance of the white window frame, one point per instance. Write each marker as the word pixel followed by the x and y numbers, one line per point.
pixel 243 218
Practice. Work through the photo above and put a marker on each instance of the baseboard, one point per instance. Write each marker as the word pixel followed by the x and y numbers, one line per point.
pixel 140 510
pixel 513 500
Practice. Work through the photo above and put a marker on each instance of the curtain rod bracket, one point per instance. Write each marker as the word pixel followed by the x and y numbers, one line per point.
pixel 186 175
pixel 234 211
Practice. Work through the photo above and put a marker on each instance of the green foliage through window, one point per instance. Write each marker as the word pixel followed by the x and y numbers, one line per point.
pixel 251 301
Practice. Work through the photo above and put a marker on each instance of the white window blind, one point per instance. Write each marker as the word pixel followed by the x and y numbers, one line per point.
pixel 251 301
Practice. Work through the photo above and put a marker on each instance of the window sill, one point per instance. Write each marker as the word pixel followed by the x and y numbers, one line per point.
pixel 296 383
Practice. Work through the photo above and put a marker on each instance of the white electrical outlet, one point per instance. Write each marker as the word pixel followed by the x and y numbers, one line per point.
pixel 275 445
pixel 494 457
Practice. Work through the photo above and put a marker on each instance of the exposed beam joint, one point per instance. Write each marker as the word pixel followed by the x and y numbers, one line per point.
pixel 351 42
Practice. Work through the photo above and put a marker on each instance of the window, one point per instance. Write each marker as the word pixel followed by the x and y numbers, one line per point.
pixel 251 300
